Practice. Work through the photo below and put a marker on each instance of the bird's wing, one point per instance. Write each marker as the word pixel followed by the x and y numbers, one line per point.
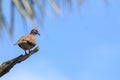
pixel 22 40
pixel 30 39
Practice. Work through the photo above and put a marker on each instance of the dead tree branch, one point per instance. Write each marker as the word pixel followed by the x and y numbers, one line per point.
pixel 5 67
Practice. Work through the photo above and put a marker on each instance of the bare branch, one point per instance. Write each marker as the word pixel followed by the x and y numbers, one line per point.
pixel 5 67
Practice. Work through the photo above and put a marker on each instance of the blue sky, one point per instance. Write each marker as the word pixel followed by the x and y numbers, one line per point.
pixel 82 45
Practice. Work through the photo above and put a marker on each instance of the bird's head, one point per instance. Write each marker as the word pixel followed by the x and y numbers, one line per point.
pixel 34 32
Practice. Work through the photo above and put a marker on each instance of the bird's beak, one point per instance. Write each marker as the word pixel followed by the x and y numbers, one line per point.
pixel 39 34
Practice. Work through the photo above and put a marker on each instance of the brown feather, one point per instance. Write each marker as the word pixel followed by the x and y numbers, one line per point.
pixel 27 42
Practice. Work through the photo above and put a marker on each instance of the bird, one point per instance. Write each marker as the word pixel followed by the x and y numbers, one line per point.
pixel 27 42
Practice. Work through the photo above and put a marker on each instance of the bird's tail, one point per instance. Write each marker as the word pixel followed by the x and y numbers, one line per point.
pixel 15 44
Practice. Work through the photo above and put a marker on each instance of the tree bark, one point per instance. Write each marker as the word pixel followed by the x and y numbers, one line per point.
pixel 5 67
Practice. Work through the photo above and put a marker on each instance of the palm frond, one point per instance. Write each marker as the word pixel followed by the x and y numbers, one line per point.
pixel 34 11
pixel 12 19
pixel 54 5
pixel 2 18
pixel 24 13
pixel 28 7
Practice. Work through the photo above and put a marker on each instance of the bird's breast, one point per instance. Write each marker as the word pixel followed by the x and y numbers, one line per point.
pixel 26 46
